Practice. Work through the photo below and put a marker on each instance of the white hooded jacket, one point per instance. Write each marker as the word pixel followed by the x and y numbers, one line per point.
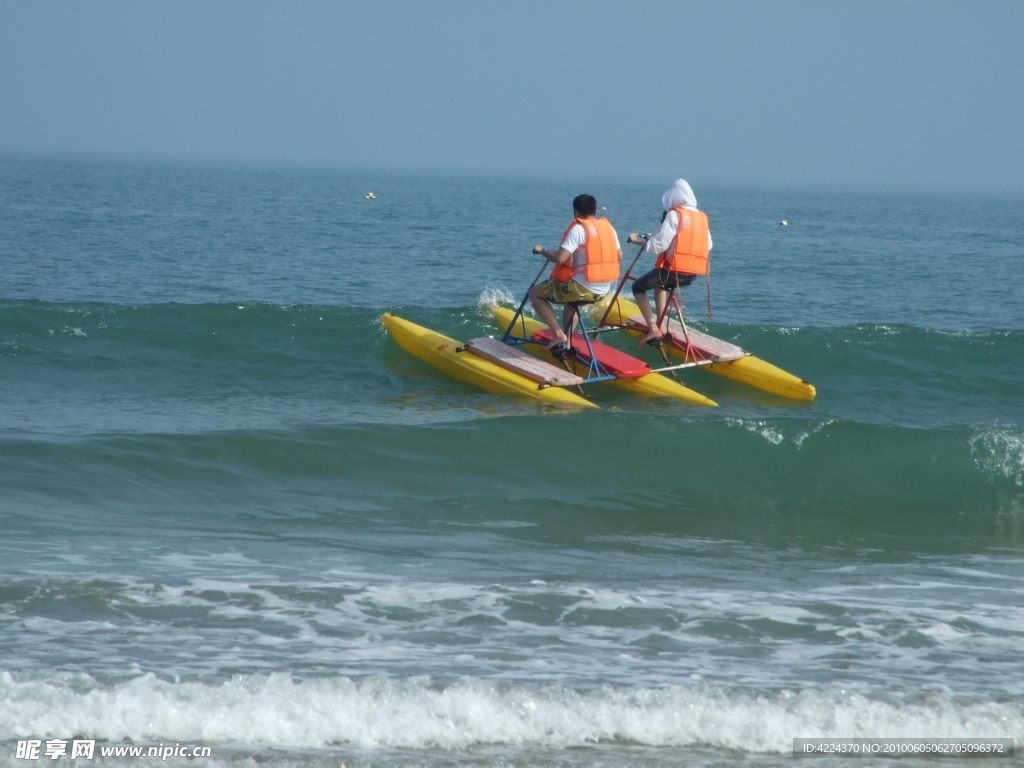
pixel 679 195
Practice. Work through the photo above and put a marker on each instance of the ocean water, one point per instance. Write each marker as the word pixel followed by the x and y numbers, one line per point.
pixel 234 513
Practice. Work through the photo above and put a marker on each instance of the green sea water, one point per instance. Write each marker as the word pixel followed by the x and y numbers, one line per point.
pixel 234 512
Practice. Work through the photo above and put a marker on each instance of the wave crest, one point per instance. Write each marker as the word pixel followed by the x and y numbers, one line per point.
pixel 419 713
pixel 1000 453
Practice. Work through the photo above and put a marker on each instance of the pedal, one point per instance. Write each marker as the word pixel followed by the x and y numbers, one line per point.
pixel 560 352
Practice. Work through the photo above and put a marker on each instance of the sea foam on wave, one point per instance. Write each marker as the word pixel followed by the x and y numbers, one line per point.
pixel 1000 451
pixel 494 296
pixel 279 711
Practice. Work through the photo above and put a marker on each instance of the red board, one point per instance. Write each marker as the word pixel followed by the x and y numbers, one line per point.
pixel 617 363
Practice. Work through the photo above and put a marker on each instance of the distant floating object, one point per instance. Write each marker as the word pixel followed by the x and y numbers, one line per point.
pixel 783 223
pixel 370 196
pixel 603 208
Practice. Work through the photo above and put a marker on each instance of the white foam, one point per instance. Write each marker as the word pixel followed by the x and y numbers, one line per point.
pixel 778 433
pixel 799 439
pixel 492 297
pixel 898 631
pixel 418 713
pixel 769 432
pixel 1000 452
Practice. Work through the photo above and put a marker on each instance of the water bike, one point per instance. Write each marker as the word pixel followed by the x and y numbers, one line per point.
pixel 559 375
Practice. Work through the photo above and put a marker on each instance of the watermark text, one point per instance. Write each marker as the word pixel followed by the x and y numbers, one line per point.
pixel 85 749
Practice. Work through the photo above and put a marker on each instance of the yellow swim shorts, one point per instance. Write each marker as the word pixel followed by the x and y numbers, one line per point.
pixel 566 293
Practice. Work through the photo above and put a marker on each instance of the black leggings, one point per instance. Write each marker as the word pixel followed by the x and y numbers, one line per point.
pixel 662 278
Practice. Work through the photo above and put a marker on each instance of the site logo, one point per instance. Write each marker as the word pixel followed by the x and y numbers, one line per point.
pixel 84 749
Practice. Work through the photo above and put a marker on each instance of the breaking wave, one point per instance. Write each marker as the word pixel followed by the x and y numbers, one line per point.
pixel 420 713
pixel 1000 453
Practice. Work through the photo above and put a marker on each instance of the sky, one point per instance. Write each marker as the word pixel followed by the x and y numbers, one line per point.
pixel 920 95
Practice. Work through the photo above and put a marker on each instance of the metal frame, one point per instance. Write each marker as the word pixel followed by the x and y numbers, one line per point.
pixel 675 300
pixel 596 372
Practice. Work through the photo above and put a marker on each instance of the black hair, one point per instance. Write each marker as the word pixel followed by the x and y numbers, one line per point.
pixel 585 205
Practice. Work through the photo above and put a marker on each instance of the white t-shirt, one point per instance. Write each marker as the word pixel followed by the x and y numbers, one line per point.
pixel 665 238
pixel 575 243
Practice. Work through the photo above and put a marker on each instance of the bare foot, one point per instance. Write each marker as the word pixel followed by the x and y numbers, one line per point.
pixel 654 333
pixel 558 338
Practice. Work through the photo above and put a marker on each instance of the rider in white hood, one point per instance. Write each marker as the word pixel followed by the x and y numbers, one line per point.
pixel 663 279
pixel 679 195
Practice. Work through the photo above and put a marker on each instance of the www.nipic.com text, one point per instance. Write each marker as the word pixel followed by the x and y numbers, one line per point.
pixel 85 749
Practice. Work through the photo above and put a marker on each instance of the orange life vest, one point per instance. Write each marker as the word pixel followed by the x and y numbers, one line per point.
pixel 691 251
pixel 602 253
